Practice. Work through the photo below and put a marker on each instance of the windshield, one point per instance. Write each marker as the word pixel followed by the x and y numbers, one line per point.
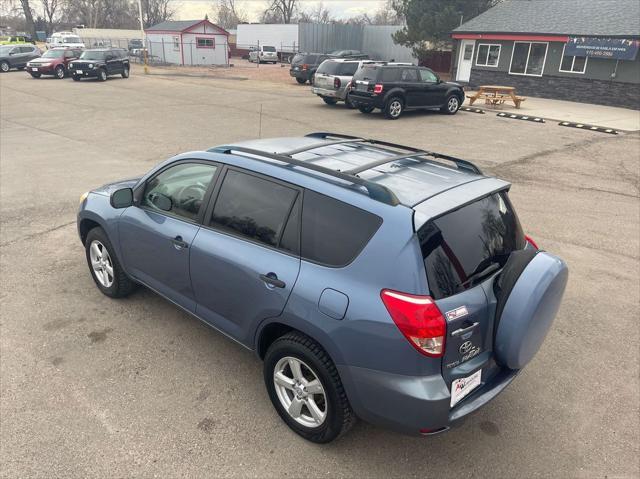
pixel 268 49
pixel 5 50
pixel 53 54
pixel 92 55
pixel 463 246
pixel 71 40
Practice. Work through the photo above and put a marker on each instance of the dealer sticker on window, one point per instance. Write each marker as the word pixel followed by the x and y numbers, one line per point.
pixel 460 388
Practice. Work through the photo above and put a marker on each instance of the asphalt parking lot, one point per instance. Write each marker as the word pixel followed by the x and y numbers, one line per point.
pixel 92 387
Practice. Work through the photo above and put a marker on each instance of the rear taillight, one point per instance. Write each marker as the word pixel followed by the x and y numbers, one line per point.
pixel 531 242
pixel 418 319
pixel 378 88
pixel 337 83
pixel 305 67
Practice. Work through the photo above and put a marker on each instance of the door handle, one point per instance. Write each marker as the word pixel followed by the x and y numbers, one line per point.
pixel 179 243
pixel 460 331
pixel 272 279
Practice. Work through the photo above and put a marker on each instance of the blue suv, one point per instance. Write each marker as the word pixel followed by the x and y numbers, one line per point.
pixel 375 280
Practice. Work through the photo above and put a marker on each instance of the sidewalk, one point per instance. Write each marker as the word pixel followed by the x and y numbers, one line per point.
pixel 598 115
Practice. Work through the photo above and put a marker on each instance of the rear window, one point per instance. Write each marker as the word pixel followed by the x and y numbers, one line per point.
pixel 333 232
pixel 338 68
pixel 268 49
pixel 465 246
pixel 304 58
pixel 367 73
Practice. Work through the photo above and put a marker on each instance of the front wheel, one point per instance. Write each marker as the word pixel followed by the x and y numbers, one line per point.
pixel 59 72
pixel 4 67
pixel 302 81
pixel 305 388
pixel 393 109
pixel 105 268
pixel 102 74
pixel 35 75
pixel 366 109
pixel 329 100
pixel 76 77
pixel 125 72
pixel 452 105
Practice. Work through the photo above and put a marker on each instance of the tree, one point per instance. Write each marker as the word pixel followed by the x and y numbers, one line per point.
pixel 156 11
pixel 429 22
pixel 50 8
pixel 385 15
pixel 283 9
pixel 227 14
pixel 28 16
pixel 320 14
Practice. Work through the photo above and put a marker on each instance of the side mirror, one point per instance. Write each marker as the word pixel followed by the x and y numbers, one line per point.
pixel 122 198
pixel 161 201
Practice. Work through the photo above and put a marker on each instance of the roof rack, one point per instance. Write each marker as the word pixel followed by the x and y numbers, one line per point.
pixel 414 153
pixel 377 192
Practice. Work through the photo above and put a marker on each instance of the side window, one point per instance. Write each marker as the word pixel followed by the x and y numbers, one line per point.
pixel 255 208
pixel 179 190
pixel 409 75
pixel 333 232
pixel 25 49
pixel 390 75
pixel 428 76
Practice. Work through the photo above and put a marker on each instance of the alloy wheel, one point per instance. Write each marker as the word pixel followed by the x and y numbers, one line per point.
pixel 300 392
pixel 452 105
pixel 101 263
pixel 395 108
pixel 4 66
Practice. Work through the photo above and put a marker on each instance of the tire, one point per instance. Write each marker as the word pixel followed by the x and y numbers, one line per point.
pixel 452 105
pixel 117 284
pixel 366 109
pixel 329 101
pixel 36 75
pixel 302 81
pixel 394 108
pixel 76 77
pixel 102 74
pixel 331 402
pixel 125 72
pixel 60 73
pixel 4 67
pixel 348 104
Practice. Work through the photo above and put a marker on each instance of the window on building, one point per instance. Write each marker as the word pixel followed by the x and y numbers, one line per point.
pixel 488 55
pixel 571 64
pixel 205 42
pixel 528 58
pixel 176 44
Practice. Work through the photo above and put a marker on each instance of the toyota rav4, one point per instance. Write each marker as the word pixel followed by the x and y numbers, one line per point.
pixel 375 280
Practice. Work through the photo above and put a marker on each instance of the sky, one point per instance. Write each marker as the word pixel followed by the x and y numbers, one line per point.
pixel 341 9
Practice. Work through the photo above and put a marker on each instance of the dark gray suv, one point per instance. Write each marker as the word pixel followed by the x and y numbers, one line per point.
pixel 375 280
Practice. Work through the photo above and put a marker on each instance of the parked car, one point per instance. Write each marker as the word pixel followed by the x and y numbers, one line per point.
pixel 333 78
pixel 304 66
pixel 264 54
pixel 395 89
pixel 53 62
pixel 135 44
pixel 17 56
pixel 16 40
pixel 375 280
pixel 353 54
pixel 101 63
pixel 65 39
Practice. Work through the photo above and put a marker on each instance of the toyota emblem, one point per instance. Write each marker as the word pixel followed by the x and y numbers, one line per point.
pixel 466 347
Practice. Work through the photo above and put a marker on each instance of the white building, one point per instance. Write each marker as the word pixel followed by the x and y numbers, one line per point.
pixel 188 42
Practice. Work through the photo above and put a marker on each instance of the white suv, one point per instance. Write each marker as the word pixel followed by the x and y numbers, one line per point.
pixel 64 39
pixel 264 54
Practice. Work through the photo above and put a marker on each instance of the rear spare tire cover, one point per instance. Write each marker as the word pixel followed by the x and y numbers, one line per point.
pixel 530 310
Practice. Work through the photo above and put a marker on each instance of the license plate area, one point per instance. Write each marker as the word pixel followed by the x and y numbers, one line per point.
pixel 34 69
pixel 462 387
pixel 79 72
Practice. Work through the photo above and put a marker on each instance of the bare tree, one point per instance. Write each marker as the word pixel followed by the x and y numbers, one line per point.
pixel 28 16
pixel 156 11
pixel 51 9
pixel 227 14
pixel 285 9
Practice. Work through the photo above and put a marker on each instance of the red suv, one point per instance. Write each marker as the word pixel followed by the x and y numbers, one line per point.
pixel 53 62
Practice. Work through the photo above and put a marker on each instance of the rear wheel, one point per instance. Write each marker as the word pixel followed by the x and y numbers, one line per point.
pixel 302 81
pixel 393 109
pixel 102 74
pixel 305 388
pixel 4 67
pixel 329 100
pixel 105 267
pixel 35 75
pixel 60 72
pixel 452 105
pixel 366 109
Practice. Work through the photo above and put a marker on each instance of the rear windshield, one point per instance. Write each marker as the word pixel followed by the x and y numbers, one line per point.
pixel 465 246
pixel 338 68
pixel 367 73
pixel 299 58
pixel 268 49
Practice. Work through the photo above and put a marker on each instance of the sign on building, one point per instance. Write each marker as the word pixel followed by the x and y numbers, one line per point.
pixel 614 48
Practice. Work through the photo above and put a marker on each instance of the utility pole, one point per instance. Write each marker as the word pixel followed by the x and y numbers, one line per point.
pixel 144 39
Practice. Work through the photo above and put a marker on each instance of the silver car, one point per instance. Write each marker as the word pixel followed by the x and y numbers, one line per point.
pixel 333 77
pixel 264 54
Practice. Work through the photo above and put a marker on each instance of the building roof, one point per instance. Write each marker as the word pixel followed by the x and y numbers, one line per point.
pixel 606 18
pixel 181 26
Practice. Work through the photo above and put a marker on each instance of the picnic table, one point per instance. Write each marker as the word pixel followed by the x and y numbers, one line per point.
pixel 496 95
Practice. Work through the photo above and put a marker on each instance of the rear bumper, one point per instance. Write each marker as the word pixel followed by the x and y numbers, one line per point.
pixel 303 74
pixel 337 94
pixel 411 404
pixel 361 100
